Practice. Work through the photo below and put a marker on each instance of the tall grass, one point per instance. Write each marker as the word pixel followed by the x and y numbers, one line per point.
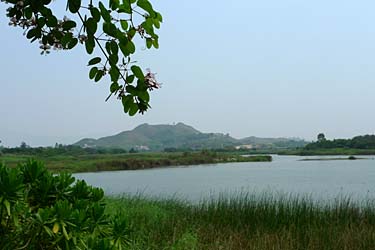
pixel 248 221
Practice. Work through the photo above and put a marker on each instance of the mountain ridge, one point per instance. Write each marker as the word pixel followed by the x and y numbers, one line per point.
pixel 161 136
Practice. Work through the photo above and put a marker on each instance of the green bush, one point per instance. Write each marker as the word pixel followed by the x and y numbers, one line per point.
pixel 39 210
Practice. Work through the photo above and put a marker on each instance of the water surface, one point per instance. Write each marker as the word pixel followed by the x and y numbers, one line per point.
pixel 285 174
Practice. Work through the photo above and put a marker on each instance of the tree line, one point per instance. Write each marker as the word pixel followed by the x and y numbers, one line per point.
pixel 60 149
pixel 358 142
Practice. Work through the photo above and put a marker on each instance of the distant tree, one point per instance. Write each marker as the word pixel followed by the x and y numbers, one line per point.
pixel 171 149
pixel 24 145
pixel 132 151
pixel 321 137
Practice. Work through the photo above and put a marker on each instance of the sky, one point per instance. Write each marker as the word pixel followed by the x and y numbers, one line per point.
pixel 269 68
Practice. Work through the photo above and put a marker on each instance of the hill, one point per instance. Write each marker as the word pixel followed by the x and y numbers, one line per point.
pixel 179 136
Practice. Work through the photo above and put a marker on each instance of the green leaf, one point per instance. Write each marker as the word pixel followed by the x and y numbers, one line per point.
pixel 110 29
pixel 137 71
pixel 48 231
pixel 130 79
pixel 69 25
pixel 125 8
pixel 130 47
pixel 90 44
pixel 159 17
pixel 108 47
pixel 156 23
pixel 155 42
pixel 99 75
pixel 46 12
pixel 114 87
pixel 41 22
pixel 131 89
pixel 52 21
pixel 133 109
pixel 148 43
pixel 59 35
pixel 73 42
pixel 28 12
pixel 141 85
pixel 126 102
pixel 113 59
pixel 51 39
pixel 33 33
pixel 114 47
pixel 66 39
pixel 114 4
pixel 91 26
pixel 105 13
pixel 95 13
pixel 131 33
pixel 74 5
pixel 144 95
pixel 148 26
pixel 94 61
pixel 65 233
pixel 124 49
pixel 146 5
pixel 7 206
pixel 124 25
pixel 114 73
pixel 93 72
pixel 44 39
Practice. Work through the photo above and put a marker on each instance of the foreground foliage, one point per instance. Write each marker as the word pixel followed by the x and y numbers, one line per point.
pixel 39 210
pixel 110 30
pixel 248 221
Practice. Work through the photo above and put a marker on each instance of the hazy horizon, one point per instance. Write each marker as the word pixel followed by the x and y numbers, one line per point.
pixel 51 140
pixel 266 69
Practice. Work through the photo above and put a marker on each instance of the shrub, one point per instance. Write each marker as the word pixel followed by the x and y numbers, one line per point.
pixel 39 210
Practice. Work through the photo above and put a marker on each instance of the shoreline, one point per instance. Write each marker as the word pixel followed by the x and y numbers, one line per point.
pixel 100 163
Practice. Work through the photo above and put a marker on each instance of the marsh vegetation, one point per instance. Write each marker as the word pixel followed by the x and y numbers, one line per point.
pixel 247 221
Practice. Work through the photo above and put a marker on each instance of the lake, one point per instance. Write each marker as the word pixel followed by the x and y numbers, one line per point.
pixel 322 180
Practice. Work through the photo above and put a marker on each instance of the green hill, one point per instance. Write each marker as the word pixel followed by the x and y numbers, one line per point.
pixel 179 136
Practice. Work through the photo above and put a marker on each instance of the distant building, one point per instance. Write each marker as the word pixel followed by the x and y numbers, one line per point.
pixel 245 146
pixel 142 148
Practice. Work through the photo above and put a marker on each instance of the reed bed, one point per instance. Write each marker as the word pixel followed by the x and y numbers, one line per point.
pixel 247 221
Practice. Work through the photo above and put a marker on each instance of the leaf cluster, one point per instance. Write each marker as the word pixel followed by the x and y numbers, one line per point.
pixel 109 31
pixel 39 210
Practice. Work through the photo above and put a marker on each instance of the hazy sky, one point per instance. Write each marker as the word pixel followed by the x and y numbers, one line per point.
pixel 265 68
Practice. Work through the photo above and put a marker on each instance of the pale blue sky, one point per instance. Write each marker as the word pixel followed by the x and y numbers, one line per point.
pixel 265 68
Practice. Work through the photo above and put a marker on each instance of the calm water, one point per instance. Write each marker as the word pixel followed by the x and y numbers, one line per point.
pixel 286 174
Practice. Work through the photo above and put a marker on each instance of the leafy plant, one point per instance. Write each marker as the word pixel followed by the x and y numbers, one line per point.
pixel 112 30
pixel 39 210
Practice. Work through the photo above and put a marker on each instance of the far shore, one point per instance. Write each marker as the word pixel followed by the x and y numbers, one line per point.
pixel 350 158
pixel 137 161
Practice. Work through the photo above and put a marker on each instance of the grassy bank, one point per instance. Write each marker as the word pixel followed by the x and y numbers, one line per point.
pixel 247 222
pixel 107 162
